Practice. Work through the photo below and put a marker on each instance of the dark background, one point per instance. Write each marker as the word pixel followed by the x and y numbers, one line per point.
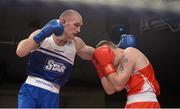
pixel 156 29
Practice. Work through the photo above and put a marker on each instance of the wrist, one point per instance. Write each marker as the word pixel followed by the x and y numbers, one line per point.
pixel 100 74
pixel 39 37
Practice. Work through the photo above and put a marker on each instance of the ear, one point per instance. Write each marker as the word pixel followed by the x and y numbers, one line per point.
pixel 63 21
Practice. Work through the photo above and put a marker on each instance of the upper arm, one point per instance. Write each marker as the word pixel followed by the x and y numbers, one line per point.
pixel 124 70
pixel 84 51
pixel 127 62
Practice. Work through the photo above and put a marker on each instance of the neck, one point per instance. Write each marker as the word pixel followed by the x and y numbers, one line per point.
pixel 60 41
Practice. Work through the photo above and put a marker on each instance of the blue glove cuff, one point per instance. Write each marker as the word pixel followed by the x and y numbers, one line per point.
pixel 39 37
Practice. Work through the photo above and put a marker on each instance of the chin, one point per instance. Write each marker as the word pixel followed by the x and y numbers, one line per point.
pixel 72 37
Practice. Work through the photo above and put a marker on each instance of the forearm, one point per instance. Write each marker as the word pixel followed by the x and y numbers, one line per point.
pixel 26 46
pixel 108 87
pixel 118 80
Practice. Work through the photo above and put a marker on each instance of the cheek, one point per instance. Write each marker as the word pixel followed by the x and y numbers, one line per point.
pixel 68 29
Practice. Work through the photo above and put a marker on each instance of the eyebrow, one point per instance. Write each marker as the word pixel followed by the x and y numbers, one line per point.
pixel 79 24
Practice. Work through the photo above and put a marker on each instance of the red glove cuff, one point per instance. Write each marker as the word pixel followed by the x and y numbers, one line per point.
pixel 100 73
pixel 108 69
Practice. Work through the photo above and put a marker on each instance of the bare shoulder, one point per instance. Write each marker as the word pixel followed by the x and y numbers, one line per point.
pixel 78 40
pixel 137 55
pixel 131 50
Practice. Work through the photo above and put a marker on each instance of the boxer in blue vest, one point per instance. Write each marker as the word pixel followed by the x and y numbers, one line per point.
pixel 51 51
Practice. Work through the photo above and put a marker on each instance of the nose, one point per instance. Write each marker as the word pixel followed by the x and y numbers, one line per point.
pixel 78 29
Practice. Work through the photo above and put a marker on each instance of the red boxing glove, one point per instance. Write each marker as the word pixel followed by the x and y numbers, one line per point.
pixel 98 68
pixel 104 55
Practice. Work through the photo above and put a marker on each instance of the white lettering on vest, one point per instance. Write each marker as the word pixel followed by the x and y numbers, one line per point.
pixel 55 66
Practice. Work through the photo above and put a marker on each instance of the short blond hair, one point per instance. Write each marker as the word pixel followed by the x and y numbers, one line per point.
pixel 106 42
pixel 69 12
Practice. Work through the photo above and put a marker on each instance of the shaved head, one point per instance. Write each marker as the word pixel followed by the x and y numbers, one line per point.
pixel 67 14
pixel 106 42
pixel 72 22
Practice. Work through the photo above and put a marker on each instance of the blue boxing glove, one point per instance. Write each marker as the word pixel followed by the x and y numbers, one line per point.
pixel 53 26
pixel 127 41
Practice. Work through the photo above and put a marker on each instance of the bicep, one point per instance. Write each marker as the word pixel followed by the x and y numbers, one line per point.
pixel 125 68
pixel 84 51
pixel 126 65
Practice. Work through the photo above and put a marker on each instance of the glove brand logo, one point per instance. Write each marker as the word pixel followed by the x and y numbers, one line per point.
pixel 55 66
pixel 109 68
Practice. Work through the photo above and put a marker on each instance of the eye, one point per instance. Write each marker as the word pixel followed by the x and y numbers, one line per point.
pixel 76 25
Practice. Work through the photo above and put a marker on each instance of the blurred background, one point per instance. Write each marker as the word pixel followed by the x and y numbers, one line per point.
pixel 155 23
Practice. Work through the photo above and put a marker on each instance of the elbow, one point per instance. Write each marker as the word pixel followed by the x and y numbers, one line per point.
pixel 110 92
pixel 118 88
pixel 119 85
pixel 20 53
